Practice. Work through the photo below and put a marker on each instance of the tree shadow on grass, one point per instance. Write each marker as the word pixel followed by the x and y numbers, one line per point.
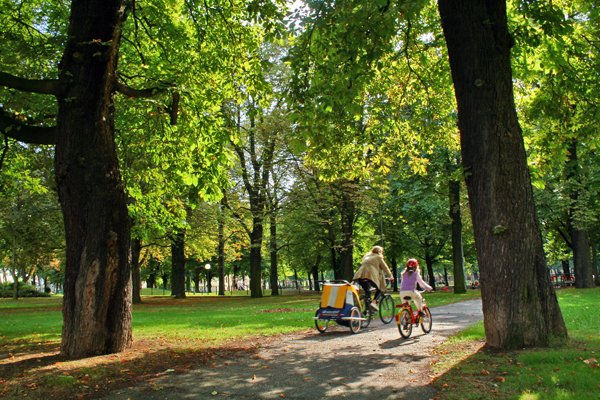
pixel 49 376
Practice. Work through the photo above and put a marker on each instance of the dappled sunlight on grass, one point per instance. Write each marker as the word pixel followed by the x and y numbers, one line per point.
pixel 529 396
pixel 569 371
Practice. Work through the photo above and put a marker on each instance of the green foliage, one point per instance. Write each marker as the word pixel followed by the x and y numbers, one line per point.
pixel 7 291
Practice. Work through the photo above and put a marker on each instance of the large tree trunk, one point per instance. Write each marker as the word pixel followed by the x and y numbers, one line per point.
pixel 395 274
pixel 348 212
pixel 429 264
pixel 136 281
pixel 178 264
pixel 97 288
pixel 221 253
pixel 153 267
pixel 457 245
pixel 582 259
pixel 580 243
pixel 273 278
pixel 566 268
pixel 519 304
pixel 335 264
pixel 315 273
pixel 196 280
pixel 595 266
pixel 256 237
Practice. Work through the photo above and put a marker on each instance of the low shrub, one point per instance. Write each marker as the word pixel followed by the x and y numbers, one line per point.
pixel 7 290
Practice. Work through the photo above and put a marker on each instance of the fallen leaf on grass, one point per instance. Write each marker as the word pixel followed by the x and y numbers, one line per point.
pixel 485 372
pixel 445 385
pixel 590 361
pixel 500 379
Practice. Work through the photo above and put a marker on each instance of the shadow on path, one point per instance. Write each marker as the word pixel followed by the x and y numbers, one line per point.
pixel 374 364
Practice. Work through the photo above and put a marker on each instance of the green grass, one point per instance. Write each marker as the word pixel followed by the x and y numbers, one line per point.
pixel 205 318
pixel 556 373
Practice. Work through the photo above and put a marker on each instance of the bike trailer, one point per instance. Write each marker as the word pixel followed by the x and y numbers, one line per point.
pixel 340 303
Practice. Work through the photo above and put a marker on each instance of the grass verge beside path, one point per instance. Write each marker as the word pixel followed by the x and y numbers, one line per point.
pixel 571 371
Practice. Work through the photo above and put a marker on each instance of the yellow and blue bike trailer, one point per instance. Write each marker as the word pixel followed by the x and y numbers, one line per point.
pixel 340 303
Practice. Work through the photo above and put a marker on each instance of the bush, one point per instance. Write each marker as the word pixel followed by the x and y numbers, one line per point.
pixel 7 290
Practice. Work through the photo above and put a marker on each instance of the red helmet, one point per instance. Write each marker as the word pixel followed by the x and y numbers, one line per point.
pixel 412 264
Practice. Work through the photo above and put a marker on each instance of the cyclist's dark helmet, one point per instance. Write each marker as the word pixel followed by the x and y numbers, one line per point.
pixel 412 264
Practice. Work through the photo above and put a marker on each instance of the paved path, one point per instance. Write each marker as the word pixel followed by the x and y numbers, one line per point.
pixel 374 364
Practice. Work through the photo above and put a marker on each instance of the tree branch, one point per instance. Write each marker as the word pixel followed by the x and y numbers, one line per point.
pixel 4 151
pixel 137 93
pixel 237 216
pixel 13 128
pixel 174 110
pixel 43 86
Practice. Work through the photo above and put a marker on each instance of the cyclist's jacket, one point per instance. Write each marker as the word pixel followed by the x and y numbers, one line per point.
pixel 374 268
pixel 410 280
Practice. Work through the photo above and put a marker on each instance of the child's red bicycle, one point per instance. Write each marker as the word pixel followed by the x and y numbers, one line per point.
pixel 406 318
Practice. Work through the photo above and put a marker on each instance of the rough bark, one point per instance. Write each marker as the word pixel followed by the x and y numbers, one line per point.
pixel 519 304
pixel 256 237
pixel 178 264
pixel 273 250
pixel 566 267
pixel 335 264
pixel 196 280
pixel 458 271
pixel 315 273
pixel 97 287
pixel 136 281
pixel 580 243
pixel 429 260
pixel 221 253
pixel 296 281
pixel 347 215
pixel 395 274
pixel 595 266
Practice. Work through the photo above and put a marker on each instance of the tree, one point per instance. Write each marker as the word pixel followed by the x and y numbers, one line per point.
pixel 493 154
pixel 520 309
pixel 97 305
pixel 559 94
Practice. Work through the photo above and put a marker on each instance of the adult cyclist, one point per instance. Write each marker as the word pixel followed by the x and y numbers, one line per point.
pixel 372 273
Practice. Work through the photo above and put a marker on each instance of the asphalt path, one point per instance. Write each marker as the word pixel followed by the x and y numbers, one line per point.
pixel 374 364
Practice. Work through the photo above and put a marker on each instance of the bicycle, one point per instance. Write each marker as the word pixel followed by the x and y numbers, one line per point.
pixel 386 308
pixel 406 318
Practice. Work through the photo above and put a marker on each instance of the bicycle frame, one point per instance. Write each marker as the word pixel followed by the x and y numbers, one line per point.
pixel 414 315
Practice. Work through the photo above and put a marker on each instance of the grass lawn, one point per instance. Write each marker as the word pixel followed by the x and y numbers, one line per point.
pixel 569 371
pixel 210 320
pixel 168 334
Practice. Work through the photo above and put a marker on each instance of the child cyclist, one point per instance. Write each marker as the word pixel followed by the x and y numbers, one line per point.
pixel 408 287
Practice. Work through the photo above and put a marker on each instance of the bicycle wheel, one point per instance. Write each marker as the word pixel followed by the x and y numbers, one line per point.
pixel 426 320
pixel 355 325
pixel 387 309
pixel 405 324
pixel 366 312
pixel 321 324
